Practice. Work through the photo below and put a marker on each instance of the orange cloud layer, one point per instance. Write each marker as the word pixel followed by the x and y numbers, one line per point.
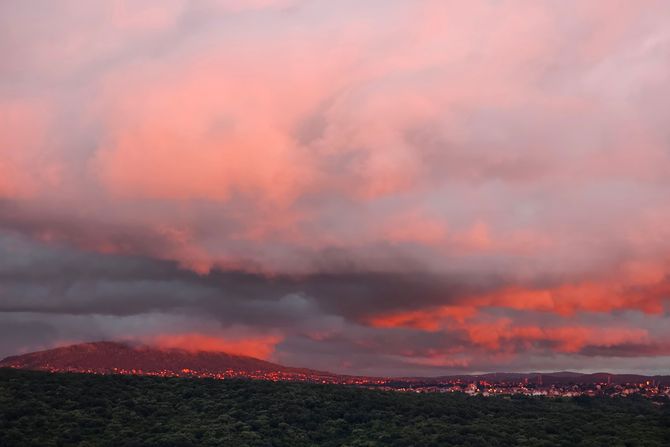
pixel 504 335
pixel 432 319
pixel 259 347
pixel 567 299
pixel 641 287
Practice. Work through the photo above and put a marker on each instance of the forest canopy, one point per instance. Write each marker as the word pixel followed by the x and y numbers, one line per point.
pixel 44 409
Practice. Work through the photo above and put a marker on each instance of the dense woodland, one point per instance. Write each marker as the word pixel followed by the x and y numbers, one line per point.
pixel 42 409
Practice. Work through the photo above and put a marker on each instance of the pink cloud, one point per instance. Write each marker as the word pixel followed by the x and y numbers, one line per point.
pixel 28 166
pixel 522 145
pixel 259 347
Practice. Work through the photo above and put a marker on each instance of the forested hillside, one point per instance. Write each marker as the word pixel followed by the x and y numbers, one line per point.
pixel 42 409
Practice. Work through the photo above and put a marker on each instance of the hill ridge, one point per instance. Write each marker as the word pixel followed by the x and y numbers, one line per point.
pixel 128 357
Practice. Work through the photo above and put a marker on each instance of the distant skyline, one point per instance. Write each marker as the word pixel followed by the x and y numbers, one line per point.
pixel 380 188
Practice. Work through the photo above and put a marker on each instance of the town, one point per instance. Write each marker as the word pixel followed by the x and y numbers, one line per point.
pixel 473 385
pixel 648 389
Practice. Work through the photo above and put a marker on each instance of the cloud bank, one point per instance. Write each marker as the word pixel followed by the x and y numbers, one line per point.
pixel 401 187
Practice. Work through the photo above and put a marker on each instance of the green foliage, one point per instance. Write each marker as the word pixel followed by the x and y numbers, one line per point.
pixel 41 409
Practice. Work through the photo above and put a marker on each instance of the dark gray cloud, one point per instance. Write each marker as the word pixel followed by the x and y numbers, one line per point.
pixel 53 294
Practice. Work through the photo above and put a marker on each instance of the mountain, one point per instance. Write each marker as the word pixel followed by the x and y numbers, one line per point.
pixel 109 357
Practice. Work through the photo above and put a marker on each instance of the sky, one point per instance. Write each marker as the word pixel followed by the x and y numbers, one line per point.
pixel 396 187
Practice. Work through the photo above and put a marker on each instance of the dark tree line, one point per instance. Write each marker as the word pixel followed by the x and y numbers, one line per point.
pixel 41 409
